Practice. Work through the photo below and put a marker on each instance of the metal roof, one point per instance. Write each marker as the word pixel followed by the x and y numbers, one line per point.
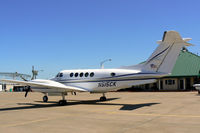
pixel 187 64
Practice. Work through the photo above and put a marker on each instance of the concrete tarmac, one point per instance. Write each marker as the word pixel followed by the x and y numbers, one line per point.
pixel 124 112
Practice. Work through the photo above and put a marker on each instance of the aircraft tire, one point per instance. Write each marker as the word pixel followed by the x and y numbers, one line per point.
pixel 103 99
pixel 45 99
pixel 198 91
pixel 62 102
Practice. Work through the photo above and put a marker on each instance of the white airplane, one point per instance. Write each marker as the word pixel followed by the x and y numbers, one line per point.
pixel 159 64
pixel 197 87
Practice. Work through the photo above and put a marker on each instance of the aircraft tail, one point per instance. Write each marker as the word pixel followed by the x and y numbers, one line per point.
pixel 164 57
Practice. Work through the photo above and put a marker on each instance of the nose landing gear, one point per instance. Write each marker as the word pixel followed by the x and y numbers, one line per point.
pixel 45 98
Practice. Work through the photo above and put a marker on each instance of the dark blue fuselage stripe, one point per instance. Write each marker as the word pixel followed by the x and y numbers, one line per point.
pixel 158 55
pixel 106 80
pixel 130 75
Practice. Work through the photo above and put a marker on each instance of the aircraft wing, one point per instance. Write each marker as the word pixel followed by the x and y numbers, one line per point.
pixel 46 84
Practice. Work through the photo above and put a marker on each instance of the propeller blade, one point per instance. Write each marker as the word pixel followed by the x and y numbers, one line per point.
pixel 26 93
pixel 27 90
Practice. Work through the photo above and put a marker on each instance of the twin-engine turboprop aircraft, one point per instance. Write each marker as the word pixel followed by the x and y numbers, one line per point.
pixel 159 64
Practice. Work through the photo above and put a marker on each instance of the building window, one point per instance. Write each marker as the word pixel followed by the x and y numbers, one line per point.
pixel 92 74
pixel 76 74
pixel 86 74
pixel 71 74
pixel 169 82
pixel 81 74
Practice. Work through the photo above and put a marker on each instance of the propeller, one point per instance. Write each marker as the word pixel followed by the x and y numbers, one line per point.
pixel 28 88
pixel 34 74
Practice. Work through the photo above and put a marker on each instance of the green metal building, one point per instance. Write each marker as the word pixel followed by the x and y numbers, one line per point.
pixel 185 74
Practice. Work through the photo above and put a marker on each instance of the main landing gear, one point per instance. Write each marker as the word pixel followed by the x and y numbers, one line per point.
pixel 63 101
pixel 103 98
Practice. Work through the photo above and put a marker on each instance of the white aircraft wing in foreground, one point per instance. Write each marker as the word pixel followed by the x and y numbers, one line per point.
pixel 47 84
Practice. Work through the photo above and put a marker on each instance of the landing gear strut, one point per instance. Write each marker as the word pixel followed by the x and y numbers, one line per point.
pixel 63 101
pixel 103 98
pixel 45 98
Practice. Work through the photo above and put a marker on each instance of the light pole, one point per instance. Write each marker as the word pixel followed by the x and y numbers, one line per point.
pixel 102 63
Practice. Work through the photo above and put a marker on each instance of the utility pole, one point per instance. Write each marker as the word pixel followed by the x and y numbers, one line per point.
pixel 102 63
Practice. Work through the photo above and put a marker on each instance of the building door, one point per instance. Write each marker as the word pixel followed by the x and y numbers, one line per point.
pixel 181 84
pixel 147 86
pixel 188 84
pixel 161 84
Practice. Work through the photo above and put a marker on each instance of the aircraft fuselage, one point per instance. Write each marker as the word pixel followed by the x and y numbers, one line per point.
pixel 100 80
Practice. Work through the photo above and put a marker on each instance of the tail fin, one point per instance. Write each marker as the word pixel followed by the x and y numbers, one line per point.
pixel 164 57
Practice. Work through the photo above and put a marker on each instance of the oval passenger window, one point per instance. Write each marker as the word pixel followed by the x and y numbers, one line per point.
pixel 86 74
pixel 81 74
pixel 71 74
pixel 112 74
pixel 92 74
pixel 76 74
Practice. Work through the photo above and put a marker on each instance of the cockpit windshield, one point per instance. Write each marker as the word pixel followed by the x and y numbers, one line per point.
pixel 59 75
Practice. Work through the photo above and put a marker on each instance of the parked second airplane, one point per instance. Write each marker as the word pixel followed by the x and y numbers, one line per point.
pixel 159 64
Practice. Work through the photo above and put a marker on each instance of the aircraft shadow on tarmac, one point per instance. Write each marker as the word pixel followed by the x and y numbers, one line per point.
pixel 128 107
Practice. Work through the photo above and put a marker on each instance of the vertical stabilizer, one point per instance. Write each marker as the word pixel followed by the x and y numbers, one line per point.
pixel 164 57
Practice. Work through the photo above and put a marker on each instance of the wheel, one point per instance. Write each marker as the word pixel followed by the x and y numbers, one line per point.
pixel 198 91
pixel 62 102
pixel 45 99
pixel 102 98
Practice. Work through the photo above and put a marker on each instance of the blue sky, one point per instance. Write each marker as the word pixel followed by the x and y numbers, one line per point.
pixel 54 35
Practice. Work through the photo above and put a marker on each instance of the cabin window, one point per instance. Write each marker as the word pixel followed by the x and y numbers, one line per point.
pixel 81 74
pixel 92 74
pixel 112 74
pixel 86 74
pixel 76 74
pixel 71 74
